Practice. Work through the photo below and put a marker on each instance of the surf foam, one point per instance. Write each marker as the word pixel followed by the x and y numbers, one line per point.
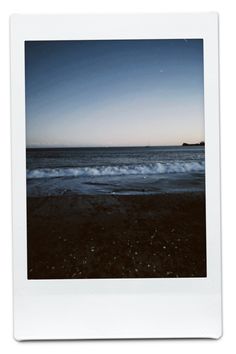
pixel 147 169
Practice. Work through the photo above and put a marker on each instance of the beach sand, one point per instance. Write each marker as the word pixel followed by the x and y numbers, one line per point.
pixel 111 236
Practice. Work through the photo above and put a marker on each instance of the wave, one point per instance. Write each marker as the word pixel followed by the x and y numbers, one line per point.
pixel 145 169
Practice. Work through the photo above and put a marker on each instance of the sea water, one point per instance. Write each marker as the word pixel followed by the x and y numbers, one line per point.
pixel 116 170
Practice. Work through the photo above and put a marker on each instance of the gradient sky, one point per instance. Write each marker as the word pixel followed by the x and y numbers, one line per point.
pixel 114 92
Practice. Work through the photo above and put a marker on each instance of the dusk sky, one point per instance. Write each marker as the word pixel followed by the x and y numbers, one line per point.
pixel 114 92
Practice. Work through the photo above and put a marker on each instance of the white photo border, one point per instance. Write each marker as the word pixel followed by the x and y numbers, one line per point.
pixel 117 308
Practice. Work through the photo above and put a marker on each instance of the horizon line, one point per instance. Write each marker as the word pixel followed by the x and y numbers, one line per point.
pixel 105 146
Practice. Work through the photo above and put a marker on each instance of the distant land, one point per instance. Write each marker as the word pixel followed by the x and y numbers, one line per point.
pixel 202 143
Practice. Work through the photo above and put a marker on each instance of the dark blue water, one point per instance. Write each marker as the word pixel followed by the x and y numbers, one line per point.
pixel 126 170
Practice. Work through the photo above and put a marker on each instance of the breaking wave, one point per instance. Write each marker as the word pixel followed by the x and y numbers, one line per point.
pixel 145 169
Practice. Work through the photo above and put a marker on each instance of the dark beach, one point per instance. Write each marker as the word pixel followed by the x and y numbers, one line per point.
pixel 116 236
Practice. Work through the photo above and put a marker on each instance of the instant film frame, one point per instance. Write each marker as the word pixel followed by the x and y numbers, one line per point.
pixel 117 308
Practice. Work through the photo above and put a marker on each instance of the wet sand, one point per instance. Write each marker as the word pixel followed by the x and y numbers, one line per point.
pixel 110 236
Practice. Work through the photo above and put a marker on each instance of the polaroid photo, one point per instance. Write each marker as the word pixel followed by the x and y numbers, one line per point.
pixel 116 176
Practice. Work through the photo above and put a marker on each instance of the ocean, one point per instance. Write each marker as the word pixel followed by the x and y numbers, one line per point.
pixel 115 170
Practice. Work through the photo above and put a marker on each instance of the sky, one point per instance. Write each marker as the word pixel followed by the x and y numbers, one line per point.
pixel 114 92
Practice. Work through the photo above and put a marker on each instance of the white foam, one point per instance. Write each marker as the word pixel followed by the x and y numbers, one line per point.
pixel 147 169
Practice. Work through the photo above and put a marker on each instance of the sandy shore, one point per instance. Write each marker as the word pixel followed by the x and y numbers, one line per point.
pixel 105 236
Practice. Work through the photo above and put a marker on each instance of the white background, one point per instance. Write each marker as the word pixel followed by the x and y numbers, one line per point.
pixel 228 125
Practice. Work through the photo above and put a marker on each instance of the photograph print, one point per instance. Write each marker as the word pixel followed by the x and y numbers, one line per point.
pixel 115 159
